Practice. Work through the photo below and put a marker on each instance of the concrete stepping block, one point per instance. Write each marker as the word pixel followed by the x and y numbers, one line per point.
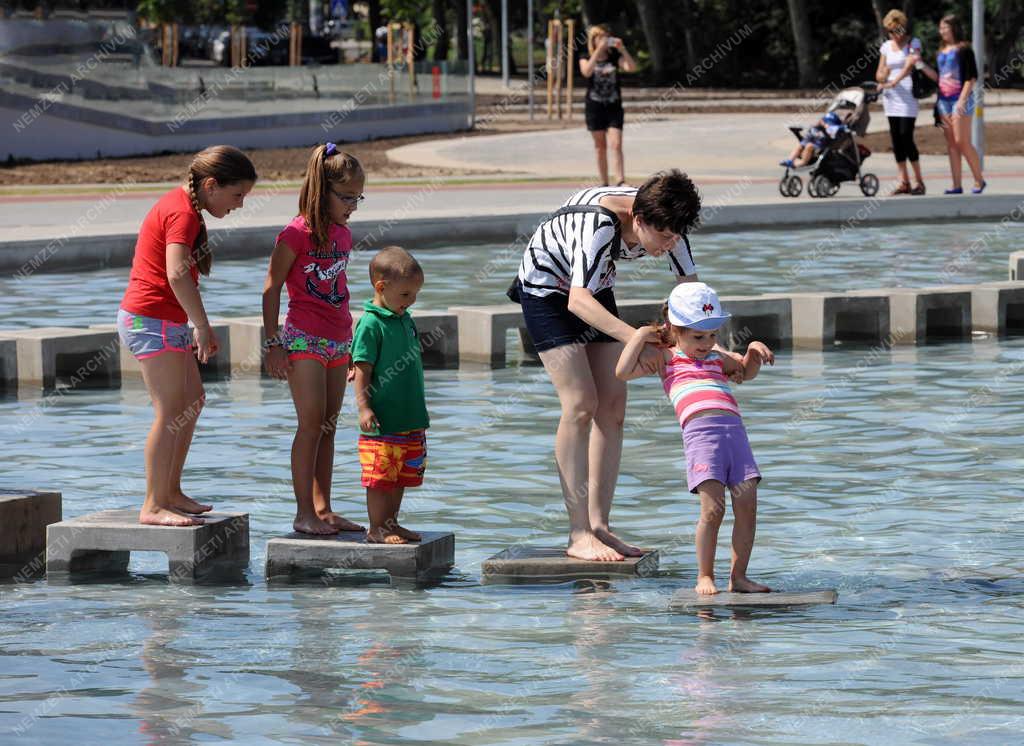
pixel 687 598
pixel 104 541
pixel 298 553
pixel 8 363
pixel 531 564
pixel 78 357
pixel 24 516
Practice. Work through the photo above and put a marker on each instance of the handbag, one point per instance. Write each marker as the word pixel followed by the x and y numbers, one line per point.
pixel 921 85
pixel 514 290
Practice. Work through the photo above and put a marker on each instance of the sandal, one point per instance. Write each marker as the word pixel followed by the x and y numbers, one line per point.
pixel 903 188
pixel 918 188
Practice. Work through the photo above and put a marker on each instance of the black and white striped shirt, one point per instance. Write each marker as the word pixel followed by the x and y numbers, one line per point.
pixel 575 249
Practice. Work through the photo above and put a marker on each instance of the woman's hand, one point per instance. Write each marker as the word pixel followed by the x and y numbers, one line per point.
pixel 206 342
pixel 278 364
pixel 651 359
pixel 961 108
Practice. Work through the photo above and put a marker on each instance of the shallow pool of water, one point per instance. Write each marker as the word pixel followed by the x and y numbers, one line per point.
pixel 736 263
pixel 892 477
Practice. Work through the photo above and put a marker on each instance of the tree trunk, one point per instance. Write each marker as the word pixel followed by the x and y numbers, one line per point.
pixel 374 13
pixel 462 32
pixel 803 41
pixel 441 21
pixel 655 33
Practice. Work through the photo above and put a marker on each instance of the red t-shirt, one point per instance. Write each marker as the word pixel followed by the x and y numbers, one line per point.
pixel 171 220
pixel 317 284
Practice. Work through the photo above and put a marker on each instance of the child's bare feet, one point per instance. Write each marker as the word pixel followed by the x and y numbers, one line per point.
pixel 406 533
pixel 743 584
pixel 186 504
pixel 310 524
pixel 157 516
pixel 589 547
pixel 706 585
pixel 342 524
pixel 382 535
pixel 606 536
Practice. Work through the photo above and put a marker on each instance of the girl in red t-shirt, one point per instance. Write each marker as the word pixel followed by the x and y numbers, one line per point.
pixel 162 297
pixel 311 350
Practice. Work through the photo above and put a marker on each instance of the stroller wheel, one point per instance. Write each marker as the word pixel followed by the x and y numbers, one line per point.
pixel 812 186
pixel 869 185
pixel 784 186
pixel 794 185
pixel 823 186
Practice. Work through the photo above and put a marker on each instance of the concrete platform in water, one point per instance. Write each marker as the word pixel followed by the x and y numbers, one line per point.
pixel 104 541
pixel 297 554
pixel 687 598
pixel 530 564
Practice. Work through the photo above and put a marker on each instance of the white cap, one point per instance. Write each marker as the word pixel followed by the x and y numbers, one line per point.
pixel 695 305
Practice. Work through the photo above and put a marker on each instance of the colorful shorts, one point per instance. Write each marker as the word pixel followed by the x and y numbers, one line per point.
pixel 397 460
pixel 146 337
pixel 301 346
pixel 717 448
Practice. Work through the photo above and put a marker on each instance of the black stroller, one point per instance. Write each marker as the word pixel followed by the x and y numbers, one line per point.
pixel 841 158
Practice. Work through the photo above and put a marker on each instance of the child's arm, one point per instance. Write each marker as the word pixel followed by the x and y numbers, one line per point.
pixel 747 368
pixel 629 366
pixel 363 380
pixel 281 261
pixel 178 262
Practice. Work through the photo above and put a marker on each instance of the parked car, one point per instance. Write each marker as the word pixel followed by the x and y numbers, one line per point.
pixel 262 48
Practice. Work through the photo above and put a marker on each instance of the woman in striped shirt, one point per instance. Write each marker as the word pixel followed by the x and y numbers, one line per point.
pixel 565 286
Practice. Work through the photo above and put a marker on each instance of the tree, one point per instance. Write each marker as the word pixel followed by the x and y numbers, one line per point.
pixel 440 8
pixel 655 34
pixel 803 41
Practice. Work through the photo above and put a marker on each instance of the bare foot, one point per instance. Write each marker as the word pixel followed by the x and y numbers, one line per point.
pixel 706 585
pixel 406 533
pixel 613 541
pixel 186 504
pixel 746 585
pixel 167 517
pixel 313 525
pixel 589 547
pixel 342 524
pixel 384 536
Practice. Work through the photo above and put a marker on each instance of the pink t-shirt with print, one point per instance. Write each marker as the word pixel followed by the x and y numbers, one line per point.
pixel 317 284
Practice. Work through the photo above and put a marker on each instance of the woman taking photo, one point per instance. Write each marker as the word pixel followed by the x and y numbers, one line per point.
pixel 957 75
pixel 603 102
pixel 896 60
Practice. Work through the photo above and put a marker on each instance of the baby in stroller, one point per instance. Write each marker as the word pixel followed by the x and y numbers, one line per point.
pixel 811 144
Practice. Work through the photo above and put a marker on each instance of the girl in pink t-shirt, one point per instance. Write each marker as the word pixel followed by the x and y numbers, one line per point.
pixel 311 350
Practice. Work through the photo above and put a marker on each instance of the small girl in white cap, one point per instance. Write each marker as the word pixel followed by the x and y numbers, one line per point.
pixel 718 453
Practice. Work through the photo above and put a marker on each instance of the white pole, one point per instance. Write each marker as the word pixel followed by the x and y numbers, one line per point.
pixel 978 42
pixel 504 43
pixel 472 64
pixel 529 53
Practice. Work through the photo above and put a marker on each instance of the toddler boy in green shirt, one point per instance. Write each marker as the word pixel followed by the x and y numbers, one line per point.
pixel 390 394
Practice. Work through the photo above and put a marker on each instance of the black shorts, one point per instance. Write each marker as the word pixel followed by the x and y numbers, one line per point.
pixel 601 116
pixel 551 323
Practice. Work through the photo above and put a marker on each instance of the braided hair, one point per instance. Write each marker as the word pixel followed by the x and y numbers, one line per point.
pixel 226 165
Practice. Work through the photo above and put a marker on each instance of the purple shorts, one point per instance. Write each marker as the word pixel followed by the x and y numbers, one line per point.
pixel 717 448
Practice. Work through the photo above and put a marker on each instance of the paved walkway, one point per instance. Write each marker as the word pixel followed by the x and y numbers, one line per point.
pixel 731 156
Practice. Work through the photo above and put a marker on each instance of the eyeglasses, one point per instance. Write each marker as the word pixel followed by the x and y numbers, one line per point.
pixel 348 200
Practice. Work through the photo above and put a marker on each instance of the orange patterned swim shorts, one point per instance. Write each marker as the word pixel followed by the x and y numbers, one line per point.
pixel 397 460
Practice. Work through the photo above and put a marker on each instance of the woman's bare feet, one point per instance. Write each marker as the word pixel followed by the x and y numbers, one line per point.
pixel 589 547
pixel 406 533
pixel 310 524
pixel 706 585
pixel 186 504
pixel 743 584
pixel 608 538
pixel 157 516
pixel 384 535
pixel 342 524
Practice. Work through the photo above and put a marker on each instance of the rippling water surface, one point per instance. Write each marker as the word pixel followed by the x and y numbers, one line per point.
pixel 736 263
pixel 893 477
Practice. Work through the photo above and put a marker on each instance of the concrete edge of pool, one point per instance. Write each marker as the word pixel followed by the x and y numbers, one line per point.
pixel 53 357
pixel 71 250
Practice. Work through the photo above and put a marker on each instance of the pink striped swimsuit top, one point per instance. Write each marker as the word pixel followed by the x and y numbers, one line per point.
pixel 697 385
